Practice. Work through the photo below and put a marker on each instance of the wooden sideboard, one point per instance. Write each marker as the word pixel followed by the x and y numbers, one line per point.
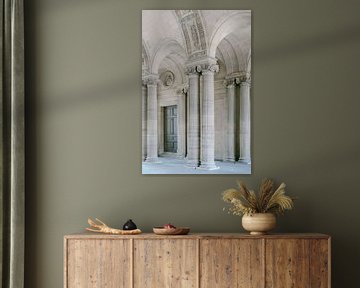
pixel 197 260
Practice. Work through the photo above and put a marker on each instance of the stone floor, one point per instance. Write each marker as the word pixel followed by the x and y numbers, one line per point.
pixel 173 165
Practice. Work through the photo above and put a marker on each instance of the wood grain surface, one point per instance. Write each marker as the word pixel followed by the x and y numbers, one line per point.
pixel 88 235
pixel 287 263
pixel 231 263
pixel 98 263
pixel 197 261
pixel 319 263
pixel 165 263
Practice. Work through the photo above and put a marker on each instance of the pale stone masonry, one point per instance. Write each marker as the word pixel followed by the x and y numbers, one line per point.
pixel 230 88
pixel 198 64
pixel 193 155
pixel 245 155
pixel 152 120
pixel 144 120
pixel 181 153
pixel 208 118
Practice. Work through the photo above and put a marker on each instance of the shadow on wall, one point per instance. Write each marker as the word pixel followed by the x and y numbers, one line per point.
pixel 93 95
pixel 332 171
pixel 122 87
pixel 335 212
pixel 66 4
pixel 307 45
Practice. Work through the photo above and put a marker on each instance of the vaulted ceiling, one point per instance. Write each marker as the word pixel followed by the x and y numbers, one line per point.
pixel 172 38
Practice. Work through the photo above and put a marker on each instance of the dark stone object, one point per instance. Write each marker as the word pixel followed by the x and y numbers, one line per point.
pixel 129 225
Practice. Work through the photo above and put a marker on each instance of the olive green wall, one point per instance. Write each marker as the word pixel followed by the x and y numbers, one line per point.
pixel 84 126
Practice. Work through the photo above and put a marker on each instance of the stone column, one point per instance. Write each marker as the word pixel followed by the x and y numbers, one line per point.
pixel 187 124
pixel 182 123
pixel 152 120
pixel 231 128
pixel 144 121
pixel 193 156
pixel 245 127
pixel 208 119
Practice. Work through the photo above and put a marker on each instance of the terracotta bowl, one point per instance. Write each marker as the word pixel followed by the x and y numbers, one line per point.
pixel 259 223
pixel 171 231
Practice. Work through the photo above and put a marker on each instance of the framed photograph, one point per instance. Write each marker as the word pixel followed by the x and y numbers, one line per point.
pixel 196 99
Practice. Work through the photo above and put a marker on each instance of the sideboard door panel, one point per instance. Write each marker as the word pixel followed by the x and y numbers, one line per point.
pixel 319 263
pixel 197 261
pixel 98 263
pixel 231 263
pixel 287 263
pixel 170 263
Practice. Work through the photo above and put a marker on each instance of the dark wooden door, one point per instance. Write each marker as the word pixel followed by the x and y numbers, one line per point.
pixel 170 129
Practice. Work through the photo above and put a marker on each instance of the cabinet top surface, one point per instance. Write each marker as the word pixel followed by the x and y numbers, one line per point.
pixel 86 235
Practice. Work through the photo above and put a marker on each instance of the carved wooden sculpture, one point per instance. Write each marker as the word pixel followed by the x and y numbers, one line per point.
pixel 101 227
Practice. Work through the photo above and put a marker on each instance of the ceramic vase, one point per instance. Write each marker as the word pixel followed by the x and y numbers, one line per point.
pixel 259 223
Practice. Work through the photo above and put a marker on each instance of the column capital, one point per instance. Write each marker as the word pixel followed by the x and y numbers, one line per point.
pixel 244 80
pixel 202 65
pixel 182 90
pixel 238 78
pixel 152 79
pixel 229 83
pixel 193 70
pixel 209 69
pixel 185 89
pixel 245 84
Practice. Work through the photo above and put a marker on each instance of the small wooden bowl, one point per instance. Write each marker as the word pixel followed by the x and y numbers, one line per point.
pixel 171 231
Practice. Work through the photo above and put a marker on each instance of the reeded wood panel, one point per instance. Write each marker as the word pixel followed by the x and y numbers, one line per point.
pixel 231 263
pixel 319 263
pixel 167 263
pixel 98 263
pixel 287 263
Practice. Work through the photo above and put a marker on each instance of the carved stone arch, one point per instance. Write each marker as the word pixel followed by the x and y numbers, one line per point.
pixel 193 30
pixel 248 66
pixel 241 47
pixel 231 23
pixel 229 55
pixel 167 48
pixel 222 73
pixel 145 56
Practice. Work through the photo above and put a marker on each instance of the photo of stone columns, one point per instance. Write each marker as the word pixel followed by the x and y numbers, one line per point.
pixel 196 91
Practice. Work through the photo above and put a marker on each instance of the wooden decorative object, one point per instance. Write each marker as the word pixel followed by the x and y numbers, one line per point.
pixel 171 231
pixel 197 261
pixel 101 227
